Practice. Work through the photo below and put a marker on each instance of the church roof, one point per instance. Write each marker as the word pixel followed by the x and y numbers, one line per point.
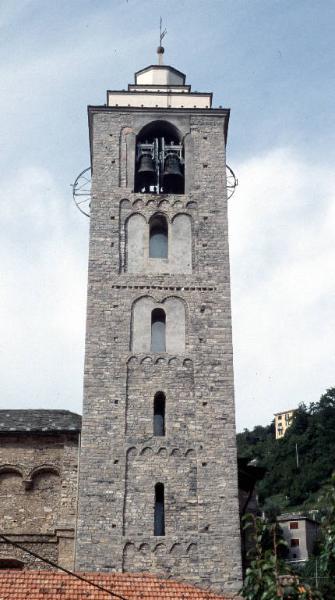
pixel 40 585
pixel 38 420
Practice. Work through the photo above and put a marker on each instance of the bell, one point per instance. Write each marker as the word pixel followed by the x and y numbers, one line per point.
pixel 146 170
pixel 172 176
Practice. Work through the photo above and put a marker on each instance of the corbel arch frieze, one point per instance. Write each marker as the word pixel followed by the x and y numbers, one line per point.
pixel 146 450
pixel 39 470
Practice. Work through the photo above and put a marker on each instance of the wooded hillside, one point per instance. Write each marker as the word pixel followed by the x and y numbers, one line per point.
pixel 287 486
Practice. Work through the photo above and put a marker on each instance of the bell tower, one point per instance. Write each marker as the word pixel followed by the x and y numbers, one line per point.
pixel 158 469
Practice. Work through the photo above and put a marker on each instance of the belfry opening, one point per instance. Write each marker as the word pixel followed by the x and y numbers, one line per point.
pixel 159 167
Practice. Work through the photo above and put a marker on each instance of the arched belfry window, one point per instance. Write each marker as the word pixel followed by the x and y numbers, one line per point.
pixel 159 167
pixel 159 414
pixel 158 237
pixel 158 330
pixel 159 517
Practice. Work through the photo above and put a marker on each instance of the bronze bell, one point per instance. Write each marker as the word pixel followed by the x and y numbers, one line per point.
pixel 146 170
pixel 172 176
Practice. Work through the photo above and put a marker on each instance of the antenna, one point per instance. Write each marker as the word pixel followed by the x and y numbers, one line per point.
pixel 160 49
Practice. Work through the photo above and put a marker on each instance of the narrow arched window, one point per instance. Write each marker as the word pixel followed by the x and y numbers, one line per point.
pixel 158 237
pixel 158 322
pixel 159 517
pixel 159 414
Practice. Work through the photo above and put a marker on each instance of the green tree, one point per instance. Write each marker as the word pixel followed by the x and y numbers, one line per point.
pixel 327 554
pixel 289 484
pixel 268 576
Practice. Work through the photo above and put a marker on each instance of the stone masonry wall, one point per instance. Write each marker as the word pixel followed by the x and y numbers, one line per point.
pixel 38 496
pixel 120 460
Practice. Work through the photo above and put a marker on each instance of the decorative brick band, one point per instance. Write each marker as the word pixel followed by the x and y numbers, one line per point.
pixel 162 287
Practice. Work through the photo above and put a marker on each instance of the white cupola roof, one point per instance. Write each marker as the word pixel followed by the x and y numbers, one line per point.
pixel 159 75
pixel 159 86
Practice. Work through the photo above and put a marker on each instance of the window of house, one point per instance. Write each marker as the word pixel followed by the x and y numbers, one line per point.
pixel 158 237
pixel 159 516
pixel 295 543
pixel 159 414
pixel 294 525
pixel 158 334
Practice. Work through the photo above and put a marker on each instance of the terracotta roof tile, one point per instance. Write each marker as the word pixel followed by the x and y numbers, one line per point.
pixel 46 585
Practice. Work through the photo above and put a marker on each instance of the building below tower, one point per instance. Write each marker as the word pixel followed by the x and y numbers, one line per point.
pixel 38 486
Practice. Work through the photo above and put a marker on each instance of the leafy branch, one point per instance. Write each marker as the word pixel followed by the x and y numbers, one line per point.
pixel 268 577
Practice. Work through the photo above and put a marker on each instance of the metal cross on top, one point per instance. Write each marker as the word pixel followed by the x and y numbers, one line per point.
pixel 162 34
pixel 160 49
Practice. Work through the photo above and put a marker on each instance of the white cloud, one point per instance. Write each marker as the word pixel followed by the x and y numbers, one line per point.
pixel 283 289
pixel 43 294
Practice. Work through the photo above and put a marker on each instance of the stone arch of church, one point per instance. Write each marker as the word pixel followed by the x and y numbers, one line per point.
pixel 136 242
pixel 8 468
pixel 43 510
pixel 44 469
pixel 179 240
pixel 162 125
pixel 33 497
pixel 182 243
pixel 141 316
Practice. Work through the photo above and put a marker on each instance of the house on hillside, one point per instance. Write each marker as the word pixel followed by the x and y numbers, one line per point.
pixel 301 533
pixel 282 421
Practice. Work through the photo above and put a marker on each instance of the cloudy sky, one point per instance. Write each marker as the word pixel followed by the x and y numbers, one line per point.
pixel 272 63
